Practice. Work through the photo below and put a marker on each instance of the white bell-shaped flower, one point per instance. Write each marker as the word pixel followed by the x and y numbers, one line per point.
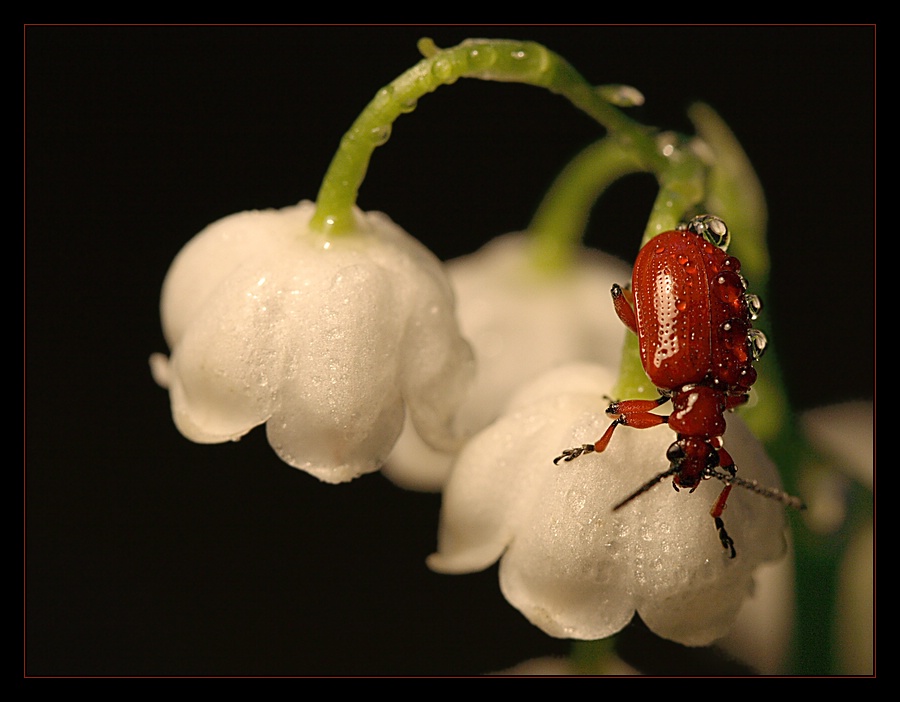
pixel 568 562
pixel 521 322
pixel 327 340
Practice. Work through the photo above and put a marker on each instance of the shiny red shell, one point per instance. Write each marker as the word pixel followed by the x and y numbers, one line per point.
pixel 691 315
pixel 688 306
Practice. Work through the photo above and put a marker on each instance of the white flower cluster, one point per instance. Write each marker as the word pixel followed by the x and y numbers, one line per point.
pixel 521 321
pixel 335 342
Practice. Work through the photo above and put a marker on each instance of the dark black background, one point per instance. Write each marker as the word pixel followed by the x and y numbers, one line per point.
pixel 148 555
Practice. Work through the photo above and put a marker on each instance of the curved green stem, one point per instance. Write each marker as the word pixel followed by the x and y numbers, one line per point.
pixel 558 225
pixel 485 59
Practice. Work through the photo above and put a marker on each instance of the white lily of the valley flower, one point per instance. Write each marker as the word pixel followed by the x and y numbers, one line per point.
pixel 521 322
pixel 329 341
pixel 569 563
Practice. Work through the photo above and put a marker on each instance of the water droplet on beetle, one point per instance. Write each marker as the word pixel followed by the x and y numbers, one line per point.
pixel 754 304
pixel 713 229
pixel 757 343
pixel 732 264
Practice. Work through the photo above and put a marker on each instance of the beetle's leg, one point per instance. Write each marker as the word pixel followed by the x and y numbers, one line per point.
pixel 635 414
pixel 716 513
pixel 623 302
pixel 726 462
pixel 630 407
pixel 631 413
pixel 573 453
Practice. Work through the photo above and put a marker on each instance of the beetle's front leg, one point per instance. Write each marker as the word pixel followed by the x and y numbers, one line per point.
pixel 632 413
pixel 573 453
pixel 623 302
pixel 726 462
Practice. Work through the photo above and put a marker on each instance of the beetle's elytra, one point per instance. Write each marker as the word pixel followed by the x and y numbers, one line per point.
pixel 689 306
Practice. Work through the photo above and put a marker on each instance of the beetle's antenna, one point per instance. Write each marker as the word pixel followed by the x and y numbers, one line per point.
pixel 646 486
pixel 772 493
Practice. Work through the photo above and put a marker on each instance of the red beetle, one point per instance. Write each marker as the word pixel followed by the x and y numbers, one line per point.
pixel 689 307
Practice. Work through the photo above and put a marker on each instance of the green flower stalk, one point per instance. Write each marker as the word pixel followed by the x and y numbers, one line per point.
pixel 557 228
pixel 484 59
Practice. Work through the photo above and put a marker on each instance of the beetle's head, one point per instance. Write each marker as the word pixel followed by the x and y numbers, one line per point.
pixel 691 459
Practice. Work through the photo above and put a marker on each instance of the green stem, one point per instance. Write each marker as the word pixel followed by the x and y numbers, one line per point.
pixel 682 186
pixel 558 225
pixel 485 59
pixel 593 657
pixel 681 189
